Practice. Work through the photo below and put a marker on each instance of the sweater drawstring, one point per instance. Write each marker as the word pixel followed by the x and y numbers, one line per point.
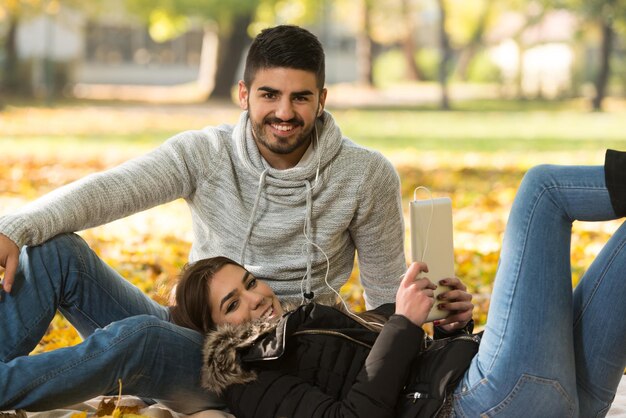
pixel 252 216
pixel 308 293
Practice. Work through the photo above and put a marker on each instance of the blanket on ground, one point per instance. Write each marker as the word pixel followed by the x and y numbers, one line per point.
pixel 618 410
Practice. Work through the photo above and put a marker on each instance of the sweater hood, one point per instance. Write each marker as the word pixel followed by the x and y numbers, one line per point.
pixel 288 185
pixel 293 186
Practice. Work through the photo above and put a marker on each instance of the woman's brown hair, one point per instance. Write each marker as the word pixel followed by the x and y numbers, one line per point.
pixel 193 309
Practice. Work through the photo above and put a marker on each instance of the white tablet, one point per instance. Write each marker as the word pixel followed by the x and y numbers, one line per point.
pixel 431 242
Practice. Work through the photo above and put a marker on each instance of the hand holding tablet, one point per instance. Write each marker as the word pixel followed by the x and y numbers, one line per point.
pixel 432 243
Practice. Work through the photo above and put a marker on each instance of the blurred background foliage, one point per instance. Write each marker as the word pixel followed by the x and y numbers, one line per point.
pixel 522 49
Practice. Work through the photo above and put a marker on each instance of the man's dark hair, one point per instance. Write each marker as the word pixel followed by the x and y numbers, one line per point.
pixel 285 46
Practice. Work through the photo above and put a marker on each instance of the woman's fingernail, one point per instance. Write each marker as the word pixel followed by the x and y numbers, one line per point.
pixel 435 323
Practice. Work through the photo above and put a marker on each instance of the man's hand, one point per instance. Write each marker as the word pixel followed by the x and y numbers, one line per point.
pixel 9 256
pixel 415 296
pixel 458 302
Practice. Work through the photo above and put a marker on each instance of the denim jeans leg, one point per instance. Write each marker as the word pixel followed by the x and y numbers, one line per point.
pixel 599 330
pixel 527 356
pixel 151 357
pixel 65 274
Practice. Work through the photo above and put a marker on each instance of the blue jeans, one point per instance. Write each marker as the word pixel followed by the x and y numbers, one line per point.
pixel 549 351
pixel 127 336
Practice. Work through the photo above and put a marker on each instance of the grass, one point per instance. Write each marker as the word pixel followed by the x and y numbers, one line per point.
pixel 480 126
pixel 489 132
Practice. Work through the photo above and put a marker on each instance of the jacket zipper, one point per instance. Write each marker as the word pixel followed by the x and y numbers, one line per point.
pixel 465 337
pixel 418 395
pixel 332 333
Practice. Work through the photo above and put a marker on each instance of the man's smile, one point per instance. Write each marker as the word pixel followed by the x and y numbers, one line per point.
pixel 284 128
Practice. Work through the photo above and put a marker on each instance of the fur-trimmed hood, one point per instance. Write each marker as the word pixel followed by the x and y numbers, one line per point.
pixel 221 365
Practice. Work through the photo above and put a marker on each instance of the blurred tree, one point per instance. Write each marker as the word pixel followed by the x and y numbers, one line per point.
pixel 14 79
pixel 12 10
pixel 533 15
pixel 364 45
pixel 605 18
pixel 445 52
pixel 378 25
pixel 400 24
pixel 606 15
pixel 231 21
pixel 476 25
pixel 461 28
pixel 409 45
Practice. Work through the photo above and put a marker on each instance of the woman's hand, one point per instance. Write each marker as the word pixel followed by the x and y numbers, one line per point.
pixel 458 302
pixel 415 295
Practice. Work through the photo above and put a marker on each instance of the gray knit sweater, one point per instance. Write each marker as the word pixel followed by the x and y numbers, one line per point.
pixel 282 224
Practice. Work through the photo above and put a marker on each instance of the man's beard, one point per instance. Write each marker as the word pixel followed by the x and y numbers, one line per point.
pixel 280 146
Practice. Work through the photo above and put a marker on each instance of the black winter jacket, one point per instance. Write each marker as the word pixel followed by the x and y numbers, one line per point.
pixel 315 362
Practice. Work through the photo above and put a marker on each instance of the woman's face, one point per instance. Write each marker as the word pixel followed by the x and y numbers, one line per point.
pixel 236 296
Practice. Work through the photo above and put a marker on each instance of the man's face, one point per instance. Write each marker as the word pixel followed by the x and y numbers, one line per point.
pixel 283 104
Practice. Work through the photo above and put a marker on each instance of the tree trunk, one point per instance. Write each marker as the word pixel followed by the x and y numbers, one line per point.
pixel 467 55
pixel 474 43
pixel 414 72
pixel 520 94
pixel 208 59
pixel 604 72
pixel 446 53
pixel 365 73
pixel 230 53
pixel 532 18
pixel 10 82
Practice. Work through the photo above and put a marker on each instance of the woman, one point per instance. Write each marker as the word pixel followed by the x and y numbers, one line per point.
pixel 324 359
pixel 546 351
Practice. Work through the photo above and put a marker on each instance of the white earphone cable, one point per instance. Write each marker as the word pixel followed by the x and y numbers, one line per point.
pixel 430 219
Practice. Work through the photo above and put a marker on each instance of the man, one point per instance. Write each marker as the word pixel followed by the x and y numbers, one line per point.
pixel 282 192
